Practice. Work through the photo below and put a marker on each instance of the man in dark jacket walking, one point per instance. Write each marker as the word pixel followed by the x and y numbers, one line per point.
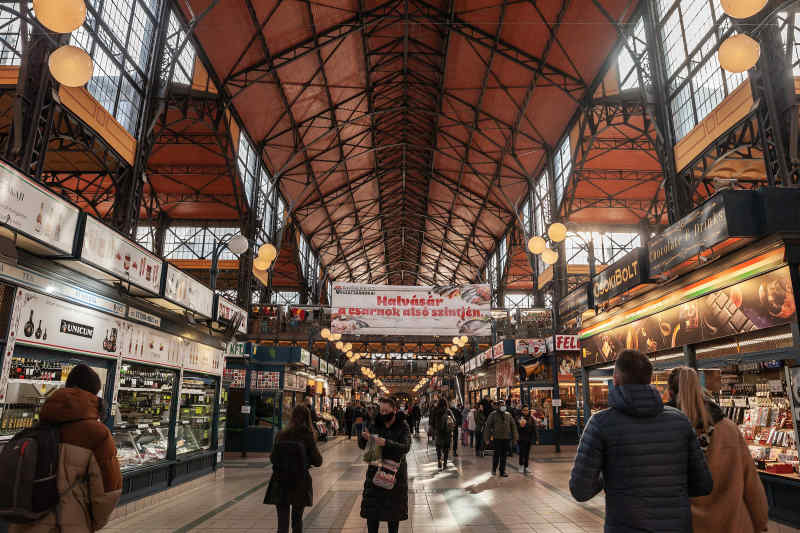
pixel 643 454
pixel 459 418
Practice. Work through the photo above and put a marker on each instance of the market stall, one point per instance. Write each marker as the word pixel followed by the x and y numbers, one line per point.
pixel 719 294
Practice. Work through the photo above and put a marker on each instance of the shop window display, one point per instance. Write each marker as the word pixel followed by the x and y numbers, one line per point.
pixel 196 414
pixel 32 379
pixel 141 420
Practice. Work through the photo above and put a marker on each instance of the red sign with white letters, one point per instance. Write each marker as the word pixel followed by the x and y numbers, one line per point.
pixel 566 343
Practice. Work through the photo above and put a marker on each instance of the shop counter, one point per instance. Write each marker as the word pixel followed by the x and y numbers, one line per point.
pixel 783 493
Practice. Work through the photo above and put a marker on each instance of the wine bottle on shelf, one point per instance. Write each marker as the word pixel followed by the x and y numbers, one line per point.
pixel 28 330
pixel 39 330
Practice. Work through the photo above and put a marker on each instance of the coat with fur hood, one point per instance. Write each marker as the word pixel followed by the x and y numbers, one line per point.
pixel 87 451
pixel 738 503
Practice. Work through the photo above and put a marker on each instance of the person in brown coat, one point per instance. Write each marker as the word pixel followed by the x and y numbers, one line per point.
pixel 87 451
pixel 289 489
pixel 738 503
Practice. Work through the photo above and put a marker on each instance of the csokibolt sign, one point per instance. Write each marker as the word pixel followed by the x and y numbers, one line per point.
pixel 620 277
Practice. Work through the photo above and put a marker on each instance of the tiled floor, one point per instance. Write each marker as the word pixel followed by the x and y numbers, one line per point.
pixel 463 499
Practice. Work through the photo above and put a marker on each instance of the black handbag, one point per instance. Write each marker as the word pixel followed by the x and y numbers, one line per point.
pixel 273 495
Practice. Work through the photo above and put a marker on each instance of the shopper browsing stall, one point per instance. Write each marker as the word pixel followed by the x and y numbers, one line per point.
pixel 293 453
pixel 738 503
pixel 624 448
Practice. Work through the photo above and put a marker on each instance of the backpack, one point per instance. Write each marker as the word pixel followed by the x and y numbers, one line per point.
pixel 28 474
pixel 446 423
pixel 290 461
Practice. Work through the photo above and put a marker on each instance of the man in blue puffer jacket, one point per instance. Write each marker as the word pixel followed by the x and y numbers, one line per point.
pixel 643 454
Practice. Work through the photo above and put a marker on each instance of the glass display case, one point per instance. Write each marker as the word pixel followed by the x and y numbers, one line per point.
pixel 141 420
pixel 33 377
pixel 196 414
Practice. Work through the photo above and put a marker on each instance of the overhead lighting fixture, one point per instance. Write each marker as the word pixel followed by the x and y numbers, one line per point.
pixel 268 251
pixel 339 345
pixel 325 333
pixel 464 340
pixel 549 256
pixel 738 53
pixel 259 263
pixel 557 232
pixel 60 16
pixel 536 245
pixel 456 340
pixel 71 66
pixel 238 244
pixel 742 9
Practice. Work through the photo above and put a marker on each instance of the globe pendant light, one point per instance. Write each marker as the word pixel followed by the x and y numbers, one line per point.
pixel 325 333
pixel 549 256
pixel 259 263
pixel 557 232
pixel 464 340
pixel 339 345
pixel 536 245
pixel 742 9
pixel 60 16
pixel 738 53
pixel 71 66
pixel 456 340
pixel 267 251
pixel 238 244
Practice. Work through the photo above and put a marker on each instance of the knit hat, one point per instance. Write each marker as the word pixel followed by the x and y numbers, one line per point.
pixel 83 377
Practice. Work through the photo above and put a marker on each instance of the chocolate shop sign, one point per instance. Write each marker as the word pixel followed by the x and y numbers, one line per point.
pixel 620 277
pixel 725 215
pixel 574 303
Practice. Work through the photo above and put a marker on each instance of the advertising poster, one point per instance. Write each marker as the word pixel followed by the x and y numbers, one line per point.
pixel 35 211
pixel 505 373
pixel 187 292
pixel 228 312
pixel 107 249
pixel 532 347
pixel 54 324
pixel 758 303
pixel 411 310
pixel 624 275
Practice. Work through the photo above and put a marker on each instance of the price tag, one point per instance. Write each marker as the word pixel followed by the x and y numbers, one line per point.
pixel 142 426
pixel 245 409
pixel 740 402
pixel 557 402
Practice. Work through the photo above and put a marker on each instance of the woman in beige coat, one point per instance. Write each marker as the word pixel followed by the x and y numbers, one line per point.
pixel 738 503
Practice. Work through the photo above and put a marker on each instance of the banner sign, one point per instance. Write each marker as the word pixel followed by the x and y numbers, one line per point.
pixel 34 211
pixel 411 310
pixel 505 373
pixel 758 303
pixel 574 303
pixel 144 316
pixel 184 290
pixel 227 312
pixel 620 277
pixel 53 324
pixel 237 349
pixel 314 362
pixel 497 350
pixel 727 214
pixel 203 358
pixel 148 345
pixel 305 357
pixel 108 250
pixel 532 347
pixel 564 343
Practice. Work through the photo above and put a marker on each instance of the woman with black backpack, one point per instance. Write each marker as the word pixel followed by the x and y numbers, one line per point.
pixel 442 422
pixel 295 450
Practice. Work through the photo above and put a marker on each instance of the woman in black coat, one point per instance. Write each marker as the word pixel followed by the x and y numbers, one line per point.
pixel 378 504
pixel 295 449
pixel 526 427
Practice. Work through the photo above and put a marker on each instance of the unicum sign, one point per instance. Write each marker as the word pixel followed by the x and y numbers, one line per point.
pixel 622 276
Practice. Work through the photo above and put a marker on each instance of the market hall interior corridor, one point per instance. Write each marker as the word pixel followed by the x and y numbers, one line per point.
pixel 463 499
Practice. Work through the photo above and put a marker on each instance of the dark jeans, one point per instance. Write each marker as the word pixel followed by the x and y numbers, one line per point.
pixel 283 519
pixel 478 442
pixel 349 428
pixel 374 525
pixel 524 453
pixel 416 425
pixel 441 454
pixel 501 447
pixel 455 441
pixel 471 438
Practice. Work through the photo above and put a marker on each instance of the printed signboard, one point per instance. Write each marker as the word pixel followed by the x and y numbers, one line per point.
pixel 411 310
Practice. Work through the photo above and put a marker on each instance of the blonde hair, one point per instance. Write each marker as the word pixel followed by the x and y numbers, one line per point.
pixel 685 386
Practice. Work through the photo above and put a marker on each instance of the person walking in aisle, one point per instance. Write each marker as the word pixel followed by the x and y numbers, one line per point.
pixel 392 434
pixel 410 417
pixel 442 423
pixel 89 479
pixel 471 414
pixel 459 420
pixel 738 503
pixel 526 426
pixel 293 454
pixel 349 416
pixel 636 441
pixel 481 415
pixel 501 428
pixel 416 412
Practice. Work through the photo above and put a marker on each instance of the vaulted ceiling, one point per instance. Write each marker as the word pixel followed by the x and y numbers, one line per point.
pixel 404 133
